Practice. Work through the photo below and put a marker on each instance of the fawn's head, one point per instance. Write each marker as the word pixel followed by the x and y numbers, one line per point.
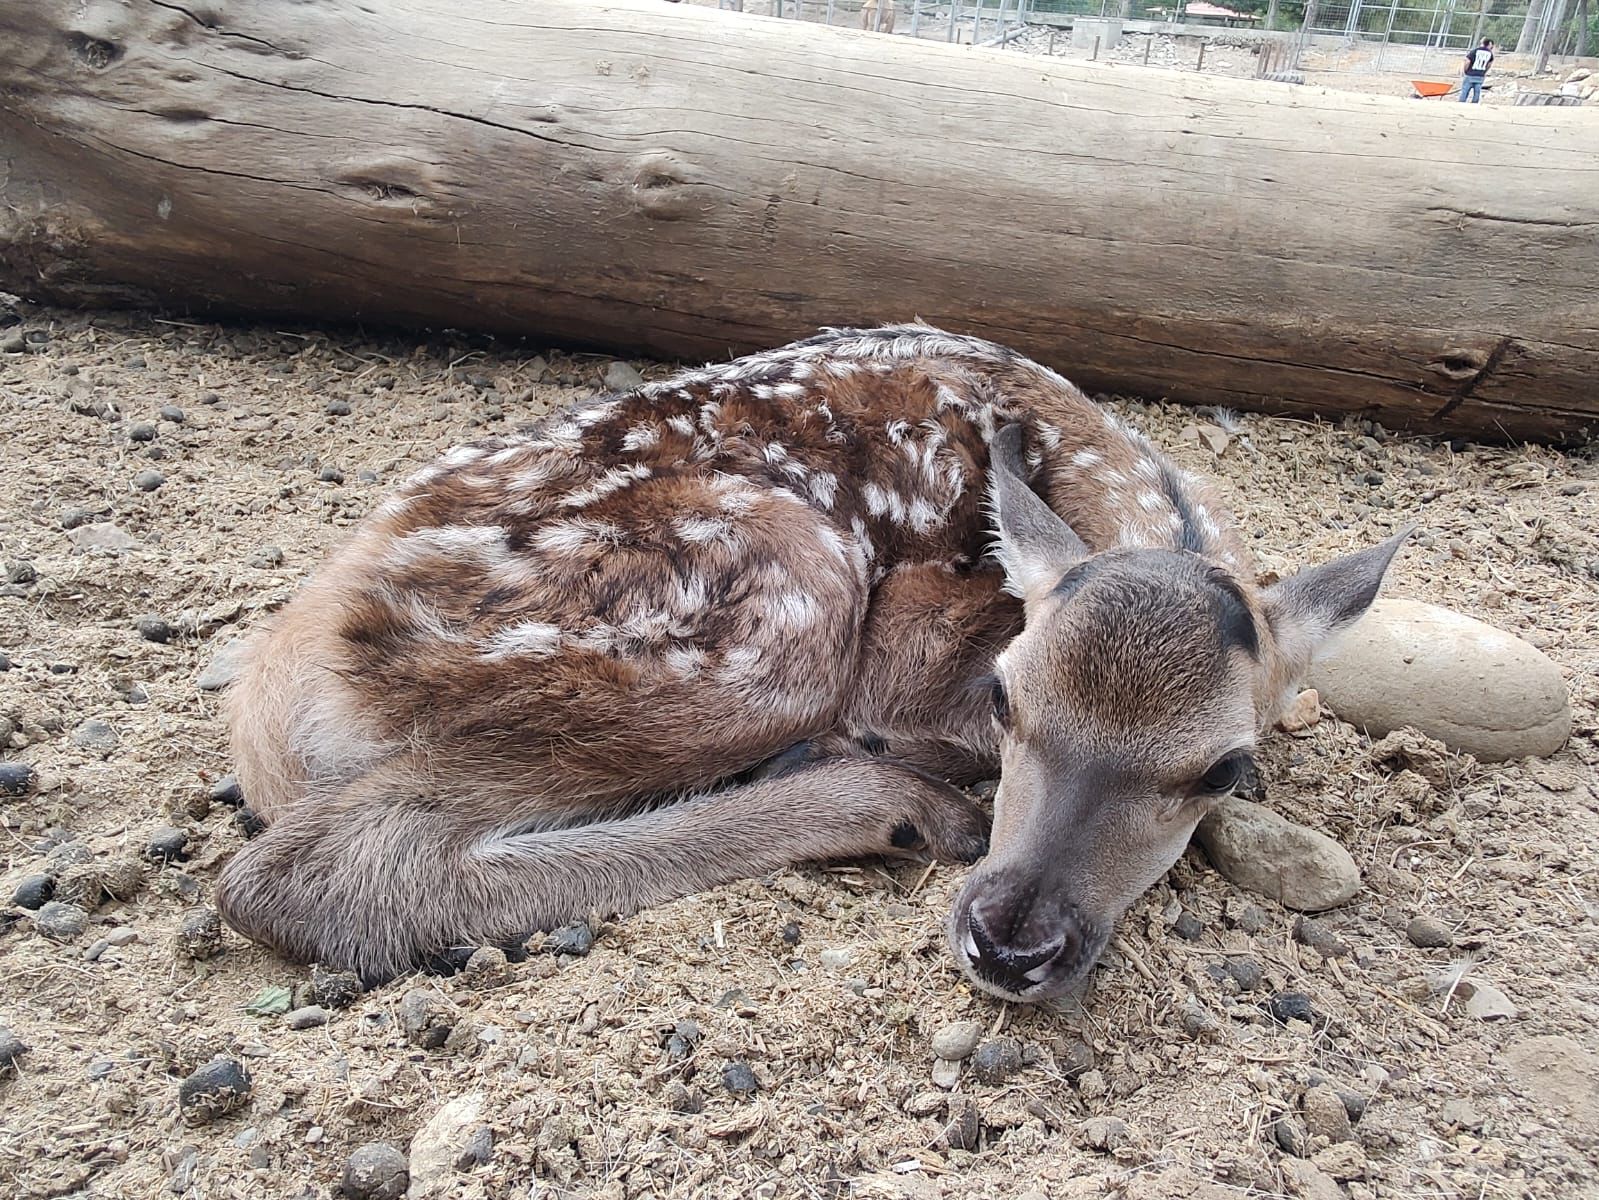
pixel 1129 707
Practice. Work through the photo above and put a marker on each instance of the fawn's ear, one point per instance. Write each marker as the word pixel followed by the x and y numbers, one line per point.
pixel 1307 609
pixel 1033 545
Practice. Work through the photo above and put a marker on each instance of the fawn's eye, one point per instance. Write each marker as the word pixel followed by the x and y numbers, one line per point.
pixel 1226 774
pixel 1000 699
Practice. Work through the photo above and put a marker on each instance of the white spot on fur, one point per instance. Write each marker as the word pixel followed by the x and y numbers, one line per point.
pixel 607 484
pixel 1084 460
pixel 526 639
pixel 476 544
pixel 575 535
pixel 702 531
pixel 641 437
pixel 680 424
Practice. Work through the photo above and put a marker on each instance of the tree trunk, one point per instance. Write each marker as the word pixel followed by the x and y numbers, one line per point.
pixel 1527 42
pixel 1582 28
pixel 680 181
pixel 1546 44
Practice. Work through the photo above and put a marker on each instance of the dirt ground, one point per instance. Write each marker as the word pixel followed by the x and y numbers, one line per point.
pixel 288 435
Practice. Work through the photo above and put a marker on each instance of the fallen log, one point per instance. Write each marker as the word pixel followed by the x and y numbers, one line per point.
pixel 684 182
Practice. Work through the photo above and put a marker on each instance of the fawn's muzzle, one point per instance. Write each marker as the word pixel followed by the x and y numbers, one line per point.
pixel 1018 943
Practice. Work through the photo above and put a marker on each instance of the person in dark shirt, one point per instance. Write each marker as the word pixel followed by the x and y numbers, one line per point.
pixel 1477 60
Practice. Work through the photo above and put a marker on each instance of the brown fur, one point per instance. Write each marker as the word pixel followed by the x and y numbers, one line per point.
pixel 536 680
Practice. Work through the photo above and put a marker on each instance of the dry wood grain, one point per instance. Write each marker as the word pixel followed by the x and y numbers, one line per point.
pixel 684 182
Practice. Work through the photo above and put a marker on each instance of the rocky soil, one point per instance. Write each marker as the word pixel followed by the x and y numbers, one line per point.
pixel 167 483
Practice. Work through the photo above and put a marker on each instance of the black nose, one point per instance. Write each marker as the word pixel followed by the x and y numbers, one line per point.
pixel 1013 959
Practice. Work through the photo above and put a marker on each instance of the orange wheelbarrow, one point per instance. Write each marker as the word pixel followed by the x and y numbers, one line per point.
pixel 1427 89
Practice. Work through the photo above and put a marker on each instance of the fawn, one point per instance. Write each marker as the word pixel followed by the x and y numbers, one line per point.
pixel 767 612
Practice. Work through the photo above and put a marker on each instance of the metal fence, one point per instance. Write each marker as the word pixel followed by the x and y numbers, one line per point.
pixel 971 22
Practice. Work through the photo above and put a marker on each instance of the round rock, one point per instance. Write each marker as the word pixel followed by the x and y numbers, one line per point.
pixel 1475 688
pixel 148 480
pixel 996 1061
pixel 12 1048
pixel 216 1089
pixel 957 1041
pixel 34 892
pixel 738 1079
pixel 1429 933
pixel 376 1171
pixel 199 933
pixel 1325 1114
pixel 574 939
pixel 154 629
pixel 335 989
pixel 95 735
pixel 60 922
pixel 167 844
pixel 15 778
pixel 308 1017
pixel 1269 854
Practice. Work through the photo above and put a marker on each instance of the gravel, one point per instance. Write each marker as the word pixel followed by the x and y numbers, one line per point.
pixel 575 940
pixel 96 736
pixel 335 989
pixel 149 480
pixel 1429 933
pixel 308 1017
pixel 154 629
pixel 34 891
pixel 15 778
pixel 426 1018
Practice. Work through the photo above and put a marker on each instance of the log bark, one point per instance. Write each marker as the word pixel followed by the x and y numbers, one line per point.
pixel 679 181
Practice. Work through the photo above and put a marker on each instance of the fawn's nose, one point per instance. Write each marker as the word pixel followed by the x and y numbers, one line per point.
pixel 1014 952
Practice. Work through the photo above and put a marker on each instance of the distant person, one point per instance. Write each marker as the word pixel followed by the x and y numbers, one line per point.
pixel 1477 61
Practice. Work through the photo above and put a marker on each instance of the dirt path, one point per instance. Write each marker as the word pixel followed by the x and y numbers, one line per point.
pixel 1168 1080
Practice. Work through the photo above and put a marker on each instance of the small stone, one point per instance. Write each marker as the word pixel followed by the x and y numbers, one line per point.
pixel 167 844
pixel 963 1130
pixel 957 1041
pixel 835 958
pixel 1342 1160
pixel 60 922
pixel 1292 1006
pixel 335 989
pixel 337 408
pixel 154 629
pixel 1260 850
pixel 1457 1113
pixel 1106 1134
pixel 441 1143
pixel 96 736
pixel 1325 1114
pixel 216 1089
pixel 375 1171
pixel 1215 438
pixel 330 475
pixel 1308 1182
pixel 122 936
pixel 34 892
pixel 199 934
pixel 171 412
pixel 149 480
pixel 576 940
pixel 1077 1060
pixel 226 791
pixel 1320 937
pixel 426 1019
pixel 1188 927
pixel 620 377
pixel 477 1151
pixel 1483 1001
pixel 1198 1022
pixel 15 778
pixel 1289 1133
pixel 1473 687
pixel 680 1098
pixel 308 1017
pixel 1304 713
pixel 1429 933
pixel 487 967
pixel 1246 972
pixel 738 1079
pixel 12 1048
pixel 946 1073
pixel 142 431
pixel 92 883
pixel 996 1061
pixel 101 536
pixel 21 571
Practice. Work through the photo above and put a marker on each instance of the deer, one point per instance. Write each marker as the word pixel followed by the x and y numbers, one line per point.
pixel 779 610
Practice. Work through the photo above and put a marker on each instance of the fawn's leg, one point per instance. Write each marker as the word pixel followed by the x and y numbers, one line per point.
pixel 395 868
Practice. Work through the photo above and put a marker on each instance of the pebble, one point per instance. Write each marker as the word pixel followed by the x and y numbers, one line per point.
pixel 426 1019
pixel 1289 1133
pixel 12 1048
pixel 330 475
pixel 60 922
pixel 91 883
pixel 21 571
pixel 1320 937
pixel 996 1060
pixel 375 1171
pixel 335 989
pixel 308 1017
pixel 199 933
pixel 1325 1114
pixel 1246 972
pixel 34 891
pixel 791 934
pixel 964 1130
pixel 1484 1001
pixel 15 778
pixel 1260 850
pixel 226 791
pixel 1292 1006
pixel 1308 1182
pixel 738 1079
pixel 96 736
pixel 141 431
pixel 1342 1160
pixel 620 377
pixel 946 1073
pixel 216 1089
pixel 835 957
pixel 441 1143
pixel 1188 927
pixel 1106 1134
pixel 102 535
pixel 1429 933
pixel 477 1151
pixel 337 408
pixel 171 412
pixel 154 629
pixel 957 1041
pixel 167 844
pixel 1475 688
pixel 1199 1022
pixel 149 480
pixel 1304 713
pixel 576 940
pixel 487 967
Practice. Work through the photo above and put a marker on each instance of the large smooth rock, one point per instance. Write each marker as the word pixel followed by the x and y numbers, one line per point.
pixel 1475 688
pixel 1269 854
pixel 440 1143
